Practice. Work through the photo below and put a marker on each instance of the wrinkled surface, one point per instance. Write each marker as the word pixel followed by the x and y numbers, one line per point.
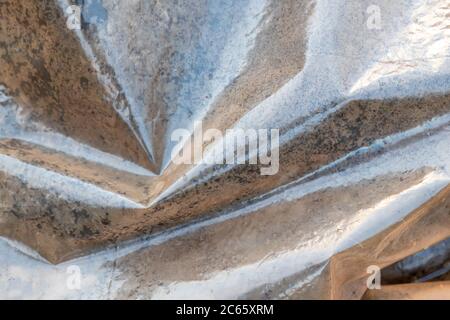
pixel 86 176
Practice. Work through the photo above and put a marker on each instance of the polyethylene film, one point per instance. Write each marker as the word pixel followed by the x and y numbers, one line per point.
pixel 251 149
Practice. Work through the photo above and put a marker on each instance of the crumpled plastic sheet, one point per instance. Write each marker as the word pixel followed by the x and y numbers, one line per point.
pixel 87 179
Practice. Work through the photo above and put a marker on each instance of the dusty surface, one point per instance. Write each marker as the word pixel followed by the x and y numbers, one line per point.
pixel 44 68
pixel 252 238
pixel 355 126
pixel 86 118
